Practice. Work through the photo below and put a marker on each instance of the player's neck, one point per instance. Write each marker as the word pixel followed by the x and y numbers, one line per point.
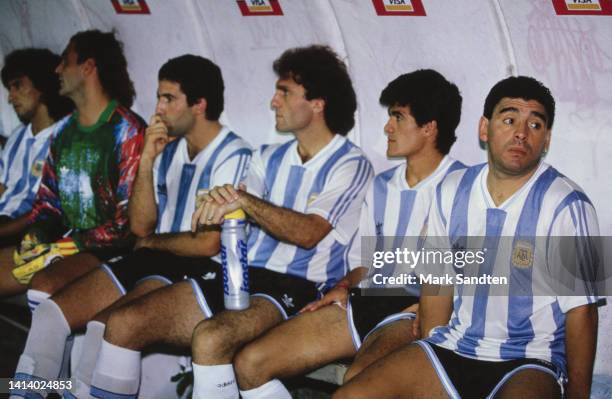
pixel 90 103
pixel 502 186
pixel 312 140
pixel 420 166
pixel 202 134
pixel 41 119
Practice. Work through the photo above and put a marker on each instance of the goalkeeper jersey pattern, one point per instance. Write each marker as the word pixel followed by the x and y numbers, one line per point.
pixel 88 178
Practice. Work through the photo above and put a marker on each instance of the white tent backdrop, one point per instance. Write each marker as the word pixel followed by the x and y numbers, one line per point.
pixel 473 43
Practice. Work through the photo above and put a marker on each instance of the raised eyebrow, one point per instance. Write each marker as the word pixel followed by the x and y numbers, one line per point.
pixel 508 109
pixel 539 115
pixel 395 112
pixel 280 86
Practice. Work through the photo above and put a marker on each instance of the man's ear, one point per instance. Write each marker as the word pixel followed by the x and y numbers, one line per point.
pixel 200 106
pixel 483 129
pixel 431 129
pixel 88 66
pixel 318 105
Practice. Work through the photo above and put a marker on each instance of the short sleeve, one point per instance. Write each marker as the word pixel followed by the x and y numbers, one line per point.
pixel 233 169
pixel 575 255
pixel 340 201
pixel 156 176
pixel 255 176
pixel 365 230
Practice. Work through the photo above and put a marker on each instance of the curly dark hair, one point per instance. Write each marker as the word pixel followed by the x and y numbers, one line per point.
pixel 38 65
pixel 198 78
pixel 524 87
pixel 431 98
pixel 324 75
pixel 107 53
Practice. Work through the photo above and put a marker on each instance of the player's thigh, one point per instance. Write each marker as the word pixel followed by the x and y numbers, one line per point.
pixel 530 384
pixel 83 298
pixel 302 343
pixel 58 274
pixel 380 343
pixel 8 284
pixel 405 373
pixel 249 324
pixel 141 289
pixel 165 315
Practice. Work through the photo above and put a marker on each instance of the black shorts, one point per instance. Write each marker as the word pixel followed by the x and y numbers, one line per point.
pixel 288 293
pixel 367 314
pixel 108 254
pixel 204 274
pixel 464 377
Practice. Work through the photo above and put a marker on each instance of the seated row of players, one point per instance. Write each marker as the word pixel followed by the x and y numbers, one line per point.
pixel 304 200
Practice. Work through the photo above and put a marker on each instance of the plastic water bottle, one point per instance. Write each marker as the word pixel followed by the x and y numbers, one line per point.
pixel 234 261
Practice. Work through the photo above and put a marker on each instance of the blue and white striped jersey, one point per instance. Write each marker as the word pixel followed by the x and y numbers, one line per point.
pixel 21 166
pixel 177 179
pixel 394 209
pixel 332 185
pixel 528 325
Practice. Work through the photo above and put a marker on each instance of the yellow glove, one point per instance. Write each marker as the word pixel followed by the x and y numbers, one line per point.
pixel 41 256
pixel 28 242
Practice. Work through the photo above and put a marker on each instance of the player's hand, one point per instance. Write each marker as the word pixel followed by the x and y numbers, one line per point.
pixel 2 189
pixel 215 204
pixel 156 138
pixel 335 295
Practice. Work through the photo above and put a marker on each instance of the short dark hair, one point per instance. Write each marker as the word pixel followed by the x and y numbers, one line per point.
pixel 38 65
pixel 524 87
pixel 107 53
pixel 323 75
pixel 431 98
pixel 198 78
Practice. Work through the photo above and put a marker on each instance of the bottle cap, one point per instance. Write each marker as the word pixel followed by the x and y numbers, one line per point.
pixel 237 214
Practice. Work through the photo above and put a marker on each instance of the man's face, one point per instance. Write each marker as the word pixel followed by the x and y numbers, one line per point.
pixel 24 98
pixel 404 137
pixel 70 72
pixel 293 111
pixel 173 109
pixel 516 135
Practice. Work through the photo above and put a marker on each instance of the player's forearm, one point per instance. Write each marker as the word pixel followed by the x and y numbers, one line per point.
pixel 435 307
pixel 203 243
pixel 142 208
pixel 285 224
pixel 15 226
pixel 580 347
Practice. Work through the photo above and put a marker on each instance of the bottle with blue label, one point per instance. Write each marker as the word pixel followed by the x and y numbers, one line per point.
pixel 234 261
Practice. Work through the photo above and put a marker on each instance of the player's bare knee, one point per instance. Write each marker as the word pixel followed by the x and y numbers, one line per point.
pixel 211 342
pixel 250 367
pixel 123 326
pixel 43 281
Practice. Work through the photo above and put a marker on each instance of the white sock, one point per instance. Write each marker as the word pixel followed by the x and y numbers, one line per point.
pixel 44 348
pixel 35 298
pixel 117 371
pixel 214 382
pixel 270 390
pixel 92 341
